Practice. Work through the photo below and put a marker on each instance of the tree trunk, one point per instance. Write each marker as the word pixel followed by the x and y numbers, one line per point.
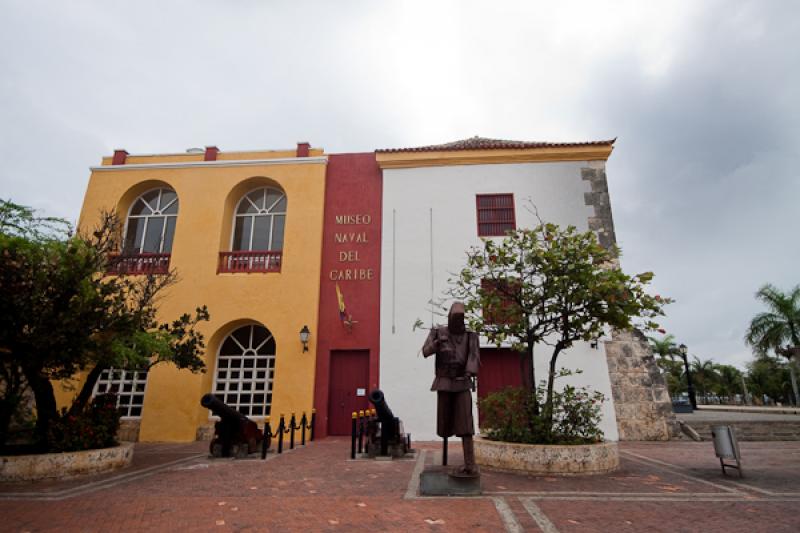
pixel 7 407
pixel 46 410
pixel 551 379
pixel 79 403
pixel 794 381
pixel 529 376
pixel 9 403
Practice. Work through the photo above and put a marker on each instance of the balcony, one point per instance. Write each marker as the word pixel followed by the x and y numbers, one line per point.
pixel 249 262
pixel 133 264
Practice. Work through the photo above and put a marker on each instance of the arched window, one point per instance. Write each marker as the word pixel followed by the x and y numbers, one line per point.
pixel 128 385
pixel 259 221
pixel 151 223
pixel 246 370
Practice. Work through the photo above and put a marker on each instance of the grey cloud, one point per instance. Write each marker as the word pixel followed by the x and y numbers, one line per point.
pixel 702 96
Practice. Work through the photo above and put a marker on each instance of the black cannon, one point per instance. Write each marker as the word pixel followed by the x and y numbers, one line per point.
pixel 385 434
pixel 235 435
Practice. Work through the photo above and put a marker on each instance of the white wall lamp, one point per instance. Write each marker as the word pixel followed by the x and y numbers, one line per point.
pixel 305 333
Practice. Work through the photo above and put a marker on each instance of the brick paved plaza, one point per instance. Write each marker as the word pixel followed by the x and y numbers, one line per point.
pixel 675 486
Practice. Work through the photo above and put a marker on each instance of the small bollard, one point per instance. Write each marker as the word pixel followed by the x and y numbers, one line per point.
pixel 303 423
pixel 444 451
pixel 281 426
pixel 361 420
pixel 292 427
pixel 353 437
pixel 267 438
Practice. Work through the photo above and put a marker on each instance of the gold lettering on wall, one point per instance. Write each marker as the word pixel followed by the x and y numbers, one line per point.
pixel 357 238
pixel 352 274
pixel 348 256
pixel 351 256
pixel 353 219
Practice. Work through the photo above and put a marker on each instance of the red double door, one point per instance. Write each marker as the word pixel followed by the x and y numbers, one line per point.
pixel 349 379
pixel 500 368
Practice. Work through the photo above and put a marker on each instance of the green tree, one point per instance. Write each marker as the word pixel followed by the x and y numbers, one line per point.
pixel 778 328
pixel 666 349
pixel 553 287
pixel 665 346
pixel 729 381
pixel 61 315
pixel 768 376
pixel 674 374
pixel 704 374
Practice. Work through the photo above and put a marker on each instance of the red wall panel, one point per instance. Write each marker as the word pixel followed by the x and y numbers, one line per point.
pixel 351 257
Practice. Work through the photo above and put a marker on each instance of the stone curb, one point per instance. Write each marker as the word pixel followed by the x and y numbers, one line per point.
pixel 550 460
pixel 64 465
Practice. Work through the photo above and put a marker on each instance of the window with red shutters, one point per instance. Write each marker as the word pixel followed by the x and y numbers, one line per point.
pixel 504 310
pixel 495 214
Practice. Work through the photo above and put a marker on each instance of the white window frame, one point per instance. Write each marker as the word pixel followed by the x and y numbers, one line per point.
pixel 153 213
pixel 266 212
pixel 267 381
pixel 126 376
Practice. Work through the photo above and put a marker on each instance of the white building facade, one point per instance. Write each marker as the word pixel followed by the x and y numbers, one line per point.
pixel 430 199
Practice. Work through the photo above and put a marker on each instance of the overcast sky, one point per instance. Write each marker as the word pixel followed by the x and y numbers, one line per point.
pixel 702 96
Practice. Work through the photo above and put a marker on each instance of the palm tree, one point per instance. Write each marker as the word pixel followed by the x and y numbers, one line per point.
pixel 704 374
pixel 666 349
pixel 730 380
pixel 665 346
pixel 778 328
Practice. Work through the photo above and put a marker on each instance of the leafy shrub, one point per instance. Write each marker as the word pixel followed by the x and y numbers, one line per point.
pixel 508 416
pixel 94 427
pixel 576 414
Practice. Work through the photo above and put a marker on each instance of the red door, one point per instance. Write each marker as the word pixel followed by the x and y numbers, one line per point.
pixel 348 384
pixel 500 368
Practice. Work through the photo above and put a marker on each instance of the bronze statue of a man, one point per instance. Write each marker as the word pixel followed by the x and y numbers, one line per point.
pixel 457 362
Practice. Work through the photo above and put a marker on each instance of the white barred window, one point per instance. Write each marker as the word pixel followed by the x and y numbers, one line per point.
pixel 260 220
pixel 151 223
pixel 245 370
pixel 128 385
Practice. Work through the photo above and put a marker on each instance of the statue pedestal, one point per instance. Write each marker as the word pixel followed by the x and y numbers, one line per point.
pixel 435 480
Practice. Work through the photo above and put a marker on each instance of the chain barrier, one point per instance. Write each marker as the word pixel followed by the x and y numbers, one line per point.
pixel 305 424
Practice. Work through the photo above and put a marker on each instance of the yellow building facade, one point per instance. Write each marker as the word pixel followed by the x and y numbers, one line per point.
pixel 219 200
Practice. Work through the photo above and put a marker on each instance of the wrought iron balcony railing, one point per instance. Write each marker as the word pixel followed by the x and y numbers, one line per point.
pixel 250 262
pixel 143 263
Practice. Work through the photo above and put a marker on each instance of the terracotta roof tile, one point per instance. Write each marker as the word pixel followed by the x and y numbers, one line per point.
pixel 483 143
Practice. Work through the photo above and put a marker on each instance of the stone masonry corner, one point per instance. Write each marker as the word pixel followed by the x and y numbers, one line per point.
pixel 641 400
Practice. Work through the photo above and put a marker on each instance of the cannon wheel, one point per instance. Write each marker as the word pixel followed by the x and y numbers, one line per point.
pixel 239 451
pixel 215 449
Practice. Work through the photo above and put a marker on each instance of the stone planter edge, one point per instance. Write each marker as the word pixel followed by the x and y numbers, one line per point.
pixel 64 465
pixel 548 459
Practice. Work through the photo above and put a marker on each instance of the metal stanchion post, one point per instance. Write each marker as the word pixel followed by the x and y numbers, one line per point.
pixel 361 419
pixel 267 438
pixel 281 426
pixel 292 427
pixel 444 452
pixel 303 423
pixel 353 437
pixel 313 422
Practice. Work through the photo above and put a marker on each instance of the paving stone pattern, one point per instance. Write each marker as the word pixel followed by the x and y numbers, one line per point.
pixel 661 486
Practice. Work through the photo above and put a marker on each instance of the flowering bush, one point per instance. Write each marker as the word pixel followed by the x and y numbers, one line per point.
pixel 94 427
pixel 508 416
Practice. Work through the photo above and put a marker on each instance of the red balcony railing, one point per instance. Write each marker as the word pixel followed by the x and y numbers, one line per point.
pixel 265 261
pixel 144 263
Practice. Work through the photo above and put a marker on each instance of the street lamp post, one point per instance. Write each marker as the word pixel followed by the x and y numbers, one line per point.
pixel 684 351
